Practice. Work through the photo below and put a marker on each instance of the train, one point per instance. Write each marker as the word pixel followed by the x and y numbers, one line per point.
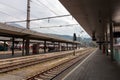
pixel 3 46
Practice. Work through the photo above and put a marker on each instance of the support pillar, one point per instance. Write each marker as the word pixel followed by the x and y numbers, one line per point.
pixel 4 45
pixel 111 40
pixel 100 46
pixel 23 46
pixel 76 45
pixel 79 45
pixel 72 46
pixel 45 46
pixel 59 46
pixel 27 46
pixel 103 45
pixel 13 42
pixel 106 44
pixel 54 46
pixel 67 46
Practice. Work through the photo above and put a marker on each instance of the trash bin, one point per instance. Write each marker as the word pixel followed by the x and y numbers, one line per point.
pixel 35 49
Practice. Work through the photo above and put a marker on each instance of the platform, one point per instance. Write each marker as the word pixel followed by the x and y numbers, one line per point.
pixel 8 54
pixel 96 66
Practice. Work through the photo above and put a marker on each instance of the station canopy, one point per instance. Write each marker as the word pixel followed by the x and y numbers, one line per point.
pixel 95 15
pixel 12 31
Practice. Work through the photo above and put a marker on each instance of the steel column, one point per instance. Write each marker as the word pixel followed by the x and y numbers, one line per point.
pixel 59 46
pixel 23 46
pixel 45 46
pixel 67 46
pixel 27 46
pixel 4 45
pixel 13 42
pixel 111 40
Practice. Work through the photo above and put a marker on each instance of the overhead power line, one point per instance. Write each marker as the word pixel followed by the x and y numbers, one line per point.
pixel 8 15
pixel 69 25
pixel 12 7
pixel 47 7
pixel 17 9
pixel 38 19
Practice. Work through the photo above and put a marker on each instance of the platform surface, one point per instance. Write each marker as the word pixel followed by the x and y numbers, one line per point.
pixel 96 66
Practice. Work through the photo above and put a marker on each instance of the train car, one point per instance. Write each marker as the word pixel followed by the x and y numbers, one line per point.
pixel 3 46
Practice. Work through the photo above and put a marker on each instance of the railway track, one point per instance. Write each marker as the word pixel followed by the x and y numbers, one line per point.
pixel 57 70
pixel 16 63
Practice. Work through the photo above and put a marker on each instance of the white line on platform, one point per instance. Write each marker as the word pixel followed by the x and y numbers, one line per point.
pixel 79 65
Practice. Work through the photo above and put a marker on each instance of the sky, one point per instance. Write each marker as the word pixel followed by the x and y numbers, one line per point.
pixel 15 10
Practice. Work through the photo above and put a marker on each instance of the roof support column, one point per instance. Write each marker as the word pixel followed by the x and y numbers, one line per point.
pixel 100 46
pixel 13 42
pixel 111 39
pixel 4 45
pixel 74 49
pixel 106 37
pixel 59 46
pixel 54 46
pixel 76 45
pixel 23 46
pixel 67 46
pixel 45 46
pixel 27 46
pixel 72 46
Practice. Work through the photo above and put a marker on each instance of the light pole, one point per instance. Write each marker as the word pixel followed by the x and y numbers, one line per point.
pixel 28 26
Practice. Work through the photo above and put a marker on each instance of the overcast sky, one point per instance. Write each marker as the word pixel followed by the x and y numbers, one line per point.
pixel 15 10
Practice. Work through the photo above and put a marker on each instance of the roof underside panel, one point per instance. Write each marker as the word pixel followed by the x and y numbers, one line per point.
pixel 93 15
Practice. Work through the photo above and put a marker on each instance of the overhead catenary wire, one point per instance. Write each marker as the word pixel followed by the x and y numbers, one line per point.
pixel 6 5
pixel 12 7
pixel 34 19
pixel 46 7
pixel 8 15
pixel 38 19
pixel 39 2
pixel 36 4
pixel 20 10
pixel 69 25
pixel 49 8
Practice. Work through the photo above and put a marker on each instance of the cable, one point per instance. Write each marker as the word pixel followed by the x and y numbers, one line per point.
pixel 69 25
pixel 38 19
pixel 47 7
pixel 49 29
pixel 36 4
pixel 8 15
pixel 15 8
pixel 11 7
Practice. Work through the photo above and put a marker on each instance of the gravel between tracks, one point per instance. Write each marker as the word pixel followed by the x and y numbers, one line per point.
pixel 21 74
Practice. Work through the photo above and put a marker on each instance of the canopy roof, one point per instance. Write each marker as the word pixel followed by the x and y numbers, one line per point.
pixel 94 15
pixel 11 31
